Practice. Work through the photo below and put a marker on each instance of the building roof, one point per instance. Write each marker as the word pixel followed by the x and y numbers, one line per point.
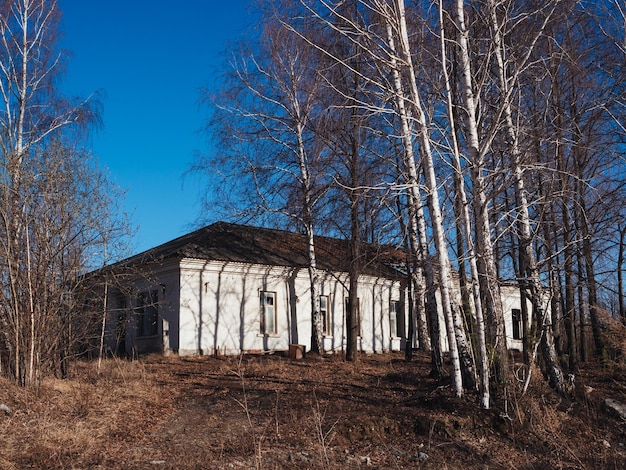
pixel 228 242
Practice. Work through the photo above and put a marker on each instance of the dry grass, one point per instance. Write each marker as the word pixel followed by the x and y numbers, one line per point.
pixel 80 421
pixel 269 412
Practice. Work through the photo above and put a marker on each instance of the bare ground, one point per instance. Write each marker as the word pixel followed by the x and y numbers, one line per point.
pixel 320 412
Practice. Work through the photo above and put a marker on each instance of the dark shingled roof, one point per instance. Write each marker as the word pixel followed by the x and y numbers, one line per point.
pixel 256 245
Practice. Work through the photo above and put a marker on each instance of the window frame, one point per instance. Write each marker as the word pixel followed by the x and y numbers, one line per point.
pixel 395 321
pixel 264 307
pixel 147 311
pixel 325 314
pixel 517 326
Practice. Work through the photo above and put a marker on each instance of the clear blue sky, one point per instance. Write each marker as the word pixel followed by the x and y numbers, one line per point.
pixel 150 58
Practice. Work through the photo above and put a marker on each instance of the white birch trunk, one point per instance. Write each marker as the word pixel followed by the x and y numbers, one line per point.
pixel 529 282
pixel 484 246
pixel 467 228
pixel 317 344
pixel 457 340
pixel 417 218
pixel 415 211
pixel 430 301
pixel 424 339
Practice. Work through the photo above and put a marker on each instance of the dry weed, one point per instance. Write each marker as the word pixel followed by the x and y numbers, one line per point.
pixel 269 412
pixel 615 336
pixel 68 422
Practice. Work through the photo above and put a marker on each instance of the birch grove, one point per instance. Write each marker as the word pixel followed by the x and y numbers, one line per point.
pixel 464 132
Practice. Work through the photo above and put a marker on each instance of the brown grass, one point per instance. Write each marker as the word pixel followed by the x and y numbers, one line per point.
pixel 270 412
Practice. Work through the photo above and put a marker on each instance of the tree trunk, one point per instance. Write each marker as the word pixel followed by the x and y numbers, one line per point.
pixel 529 272
pixel 352 318
pixel 590 279
pixel 582 314
pixel 317 345
pixel 415 286
pixel 418 278
pixel 490 290
pixel 464 233
pixel 570 291
pixel 460 353
pixel 620 273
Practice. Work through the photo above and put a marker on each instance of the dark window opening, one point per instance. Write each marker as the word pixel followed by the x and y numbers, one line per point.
pixel 516 316
pixel 325 314
pixel 268 313
pixel 148 314
pixel 396 317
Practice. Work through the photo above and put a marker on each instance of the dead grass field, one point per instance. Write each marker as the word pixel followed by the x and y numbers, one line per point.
pixel 270 412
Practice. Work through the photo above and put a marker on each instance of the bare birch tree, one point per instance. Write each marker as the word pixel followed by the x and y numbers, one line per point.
pixel 50 192
pixel 464 226
pixel 477 150
pixel 456 335
pixel 276 92
pixel 530 284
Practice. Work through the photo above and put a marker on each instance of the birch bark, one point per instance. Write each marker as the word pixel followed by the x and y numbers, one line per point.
pixel 529 282
pixel 465 226
pixel 460 351
pixel 488 275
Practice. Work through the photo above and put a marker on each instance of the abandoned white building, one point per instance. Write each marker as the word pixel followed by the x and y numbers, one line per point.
pixel 226 289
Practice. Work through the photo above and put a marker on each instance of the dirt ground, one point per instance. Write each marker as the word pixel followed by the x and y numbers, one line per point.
pixel 320 412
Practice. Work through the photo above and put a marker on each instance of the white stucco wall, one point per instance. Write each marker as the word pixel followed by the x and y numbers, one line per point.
pixel 510 300
pixel 220 309
pixel 211 307
pixel 164 280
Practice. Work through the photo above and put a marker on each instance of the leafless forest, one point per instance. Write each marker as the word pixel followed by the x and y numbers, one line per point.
pixel 484 137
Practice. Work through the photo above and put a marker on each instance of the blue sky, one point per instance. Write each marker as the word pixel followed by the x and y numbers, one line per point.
pixel 150 59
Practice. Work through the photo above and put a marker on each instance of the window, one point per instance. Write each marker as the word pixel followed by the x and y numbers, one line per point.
pixel 396 324
pixel 358 313
pixel 148 314
pixel 325 314
pixel 516 318
pixel 120 326
pixel 268 313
